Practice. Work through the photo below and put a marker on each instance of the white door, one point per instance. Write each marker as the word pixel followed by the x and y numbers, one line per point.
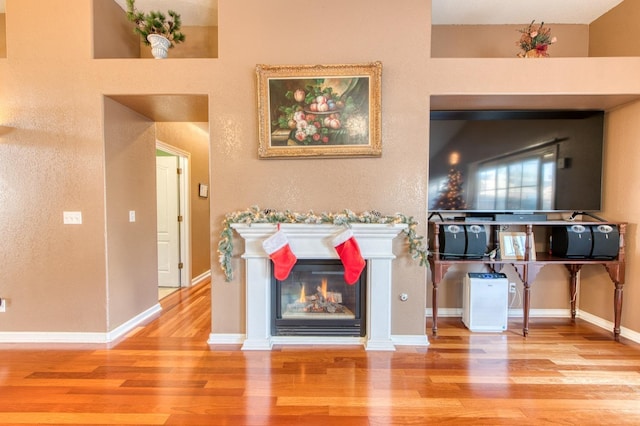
pixel 168 226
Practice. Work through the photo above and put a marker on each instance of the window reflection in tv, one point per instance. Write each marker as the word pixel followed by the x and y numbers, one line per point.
pixel 515 161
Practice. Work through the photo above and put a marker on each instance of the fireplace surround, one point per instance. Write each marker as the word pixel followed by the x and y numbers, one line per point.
pixel 314 241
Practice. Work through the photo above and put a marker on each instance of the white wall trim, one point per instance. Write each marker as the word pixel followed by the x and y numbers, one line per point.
pixel 513 313
pixel 200 278
pixel 51 337
pixel 444 312
pixel 226 338
pixel 238 339
pixel 410 339
pixel 127 326
pixel 608 325
pixel 78 337
pixel 549 313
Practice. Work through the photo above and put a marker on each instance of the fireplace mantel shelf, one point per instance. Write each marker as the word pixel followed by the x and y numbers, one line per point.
pixel 314 241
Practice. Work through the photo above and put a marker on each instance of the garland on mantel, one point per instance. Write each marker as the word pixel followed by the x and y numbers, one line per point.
pixel 255 215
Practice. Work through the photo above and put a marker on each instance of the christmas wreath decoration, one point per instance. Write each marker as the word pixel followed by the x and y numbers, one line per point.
pixel 256 215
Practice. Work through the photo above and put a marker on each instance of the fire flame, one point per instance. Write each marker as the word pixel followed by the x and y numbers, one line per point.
pixel 321 291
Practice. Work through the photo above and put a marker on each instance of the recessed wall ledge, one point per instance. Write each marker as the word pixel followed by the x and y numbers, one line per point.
pixel 4 130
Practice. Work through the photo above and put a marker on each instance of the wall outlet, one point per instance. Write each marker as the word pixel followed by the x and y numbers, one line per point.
pixel 512 287
pixel 3 305
pixel 132 215
pixel 72 218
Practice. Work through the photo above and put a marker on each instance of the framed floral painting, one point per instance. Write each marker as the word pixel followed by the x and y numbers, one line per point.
pixel 319 110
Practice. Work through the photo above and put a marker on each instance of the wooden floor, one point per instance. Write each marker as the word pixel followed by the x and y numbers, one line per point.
pixel 165 373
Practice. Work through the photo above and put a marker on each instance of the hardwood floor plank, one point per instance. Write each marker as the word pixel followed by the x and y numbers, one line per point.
pixel 83 418
pixel 565 372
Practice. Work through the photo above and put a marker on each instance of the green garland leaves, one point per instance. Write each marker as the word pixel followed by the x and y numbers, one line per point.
pixel 417 250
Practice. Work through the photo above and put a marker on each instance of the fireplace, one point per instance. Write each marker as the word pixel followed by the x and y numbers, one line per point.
pixel 315 300
pixel 314 241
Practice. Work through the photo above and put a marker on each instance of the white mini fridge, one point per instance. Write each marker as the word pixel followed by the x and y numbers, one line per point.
pixel 485 301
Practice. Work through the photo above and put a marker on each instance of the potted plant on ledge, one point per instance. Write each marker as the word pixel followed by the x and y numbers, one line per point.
pixel 155 29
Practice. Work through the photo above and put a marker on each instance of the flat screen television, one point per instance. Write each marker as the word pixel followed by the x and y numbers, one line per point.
pixel 515 161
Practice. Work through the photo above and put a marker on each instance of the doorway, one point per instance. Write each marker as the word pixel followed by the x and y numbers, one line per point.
pixel 172 181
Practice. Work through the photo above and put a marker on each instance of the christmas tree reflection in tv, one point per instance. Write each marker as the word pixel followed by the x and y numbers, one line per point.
pixel 451 193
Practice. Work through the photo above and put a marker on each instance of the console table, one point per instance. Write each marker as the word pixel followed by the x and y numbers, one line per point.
pixel 528 268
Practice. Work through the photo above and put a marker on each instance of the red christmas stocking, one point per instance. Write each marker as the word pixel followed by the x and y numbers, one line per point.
pixel 279 251
pixel 349 252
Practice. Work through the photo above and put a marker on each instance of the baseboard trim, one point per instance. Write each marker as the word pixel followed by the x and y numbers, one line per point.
pixel 238 339
pixel 513 313
pixel 547 313
pixel 126 327
pixel 78 337
pixel 202 277
pixel 634 336
pixel 51 337
pixel 226 338
pixel 444 312
pixel 410 339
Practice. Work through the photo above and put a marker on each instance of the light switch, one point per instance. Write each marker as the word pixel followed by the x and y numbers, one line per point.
pixel 72 218
pixel 132 215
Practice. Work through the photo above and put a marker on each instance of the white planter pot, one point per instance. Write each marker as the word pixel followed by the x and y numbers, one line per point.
pixel 159 45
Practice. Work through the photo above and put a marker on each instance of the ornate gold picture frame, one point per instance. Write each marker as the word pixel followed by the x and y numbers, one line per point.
pixel 319 110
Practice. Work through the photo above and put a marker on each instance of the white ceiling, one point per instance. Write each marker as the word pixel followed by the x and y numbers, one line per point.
pixel 445 12
pixel 494 12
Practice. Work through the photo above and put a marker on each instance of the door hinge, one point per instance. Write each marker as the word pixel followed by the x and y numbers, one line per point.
pixel 180 265
pixel 180 218
pixel 179 171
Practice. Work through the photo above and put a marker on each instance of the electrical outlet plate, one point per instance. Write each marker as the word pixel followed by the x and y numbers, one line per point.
pixel 512 287
pixel 3 305
pixel 72 218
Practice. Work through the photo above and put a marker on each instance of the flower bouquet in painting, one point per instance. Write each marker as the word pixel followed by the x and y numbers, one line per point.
pixel 535 41
pixel 321 111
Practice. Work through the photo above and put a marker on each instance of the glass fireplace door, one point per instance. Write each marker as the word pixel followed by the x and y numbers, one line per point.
pixel 316 300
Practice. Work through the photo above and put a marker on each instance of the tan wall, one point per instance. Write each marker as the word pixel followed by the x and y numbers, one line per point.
pixel 550 291
pixel 394 182
pixel 113 35
pixel 499 41
pixel 616 32
pixel 132 251
pixel 62 42
pixel 51 160
pixel 621 203
pixel 52 148
pixel 53 127
pixel 194 139
pixel 3 36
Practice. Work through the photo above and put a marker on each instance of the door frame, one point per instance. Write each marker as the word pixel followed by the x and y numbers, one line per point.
pixel 184 200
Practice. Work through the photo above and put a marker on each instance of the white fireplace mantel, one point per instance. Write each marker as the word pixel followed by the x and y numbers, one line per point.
pixel 314 241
